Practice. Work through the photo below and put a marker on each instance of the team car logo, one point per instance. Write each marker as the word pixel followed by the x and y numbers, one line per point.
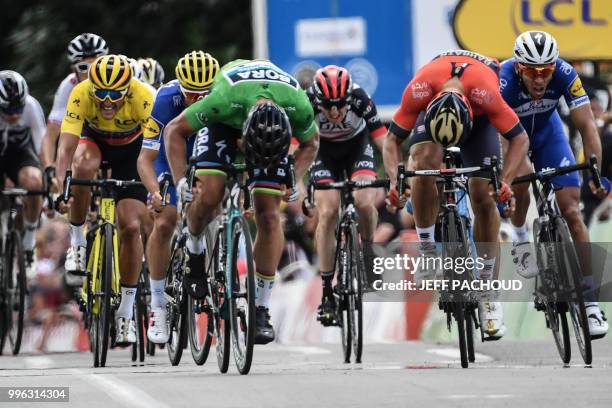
pixel 576 89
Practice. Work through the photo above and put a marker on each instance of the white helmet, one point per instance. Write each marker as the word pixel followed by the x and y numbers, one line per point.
pixel 536 48
pixel 13 91
pixel 86 45
pixel 151 71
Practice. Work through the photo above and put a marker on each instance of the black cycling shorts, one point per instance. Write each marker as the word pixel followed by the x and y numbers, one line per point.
pixel 123 164
pixel 477 150
pixel 218 147
pixel 16 156
pixel 337 160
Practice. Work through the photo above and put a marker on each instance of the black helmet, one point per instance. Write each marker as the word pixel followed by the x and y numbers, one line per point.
pixel 86 45
pixel 267 135
pixel 448 118
pixel 13 91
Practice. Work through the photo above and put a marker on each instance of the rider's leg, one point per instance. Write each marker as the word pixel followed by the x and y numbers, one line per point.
pixel 521 195
pixel 129 214
pixel 158 252
pixel 486 224
pixel 568 200
pixel 424 194
pixel 85 165
pixel 202 210
pixel 482 145
pixel 268 249
pixel 30 178
pixel 328 203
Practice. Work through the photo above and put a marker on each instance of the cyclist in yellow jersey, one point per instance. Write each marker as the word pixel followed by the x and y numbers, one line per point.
pixel 104 120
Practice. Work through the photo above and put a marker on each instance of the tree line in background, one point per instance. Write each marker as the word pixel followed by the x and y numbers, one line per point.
pixel 34 34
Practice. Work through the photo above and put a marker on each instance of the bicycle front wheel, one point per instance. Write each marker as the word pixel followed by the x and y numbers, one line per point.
pixel 219 302
pixel 346 305
pixel 102 292
pixel 571 276
pixel 16 272
pixel 242 302
pixel 177 313
pixel 356 276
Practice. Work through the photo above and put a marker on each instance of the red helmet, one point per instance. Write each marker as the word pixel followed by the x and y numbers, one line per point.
pixel 332 86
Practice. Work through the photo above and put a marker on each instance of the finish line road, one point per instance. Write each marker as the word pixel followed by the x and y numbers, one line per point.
pixel 408 374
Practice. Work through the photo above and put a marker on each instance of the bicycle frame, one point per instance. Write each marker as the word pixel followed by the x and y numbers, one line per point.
pixel 231 211
pixel 94 266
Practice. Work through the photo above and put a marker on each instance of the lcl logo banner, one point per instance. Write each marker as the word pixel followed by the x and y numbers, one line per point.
pixel 581 27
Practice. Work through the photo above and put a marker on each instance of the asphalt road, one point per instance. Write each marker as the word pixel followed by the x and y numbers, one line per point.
pixel 407 374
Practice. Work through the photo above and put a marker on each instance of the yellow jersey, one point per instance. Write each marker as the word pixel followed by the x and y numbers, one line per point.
pixel 83 116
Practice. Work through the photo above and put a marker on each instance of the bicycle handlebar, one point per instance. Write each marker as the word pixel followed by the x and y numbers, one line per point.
pixel 112 183
pixel 549 173
pixel 348 185
pixel 164 185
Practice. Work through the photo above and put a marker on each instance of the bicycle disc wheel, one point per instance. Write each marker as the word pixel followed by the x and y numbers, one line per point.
pixel 356 292
pixel 16 271
pixel 242 302
pixel 177 313
pixel 572 278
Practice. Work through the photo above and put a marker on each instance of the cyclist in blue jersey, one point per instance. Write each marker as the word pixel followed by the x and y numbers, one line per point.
pixel 532 83
pixel 195 72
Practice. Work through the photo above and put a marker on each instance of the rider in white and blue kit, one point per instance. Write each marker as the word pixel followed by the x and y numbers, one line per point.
pixel 195 73
pixel 532 83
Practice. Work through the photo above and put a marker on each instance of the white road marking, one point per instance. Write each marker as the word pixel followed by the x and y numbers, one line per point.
pixel 454 353
pixel 473 396
pixel 309 350
pixel 38 362
pixel 123 393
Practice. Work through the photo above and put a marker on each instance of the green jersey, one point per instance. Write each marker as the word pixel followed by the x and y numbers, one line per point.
pixel 239 85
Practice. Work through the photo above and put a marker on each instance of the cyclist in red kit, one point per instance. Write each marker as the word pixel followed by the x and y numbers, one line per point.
pixel 455 101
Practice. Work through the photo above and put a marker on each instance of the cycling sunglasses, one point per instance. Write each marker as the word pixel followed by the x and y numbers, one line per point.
pixel 112 95
pixel 339 104
pixel 81 67
pixel 191 94
pixel 13 110
pixel 533 72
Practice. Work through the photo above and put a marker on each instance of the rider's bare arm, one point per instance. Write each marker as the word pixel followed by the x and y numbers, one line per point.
pixel 583 119
pixel 68 143
pixel 392 155
pixel 305 155
pixel 175 135
pixel 515 156
pixel 146 169
pixel 47 153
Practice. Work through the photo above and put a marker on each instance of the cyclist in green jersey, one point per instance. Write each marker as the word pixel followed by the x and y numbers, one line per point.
pixel 258 103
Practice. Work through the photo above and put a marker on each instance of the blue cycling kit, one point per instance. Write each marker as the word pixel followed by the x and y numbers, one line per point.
pixel 169 103
pixel 548 142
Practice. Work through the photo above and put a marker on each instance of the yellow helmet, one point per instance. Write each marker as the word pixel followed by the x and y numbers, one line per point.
pixel 196 70
pixel 110 72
